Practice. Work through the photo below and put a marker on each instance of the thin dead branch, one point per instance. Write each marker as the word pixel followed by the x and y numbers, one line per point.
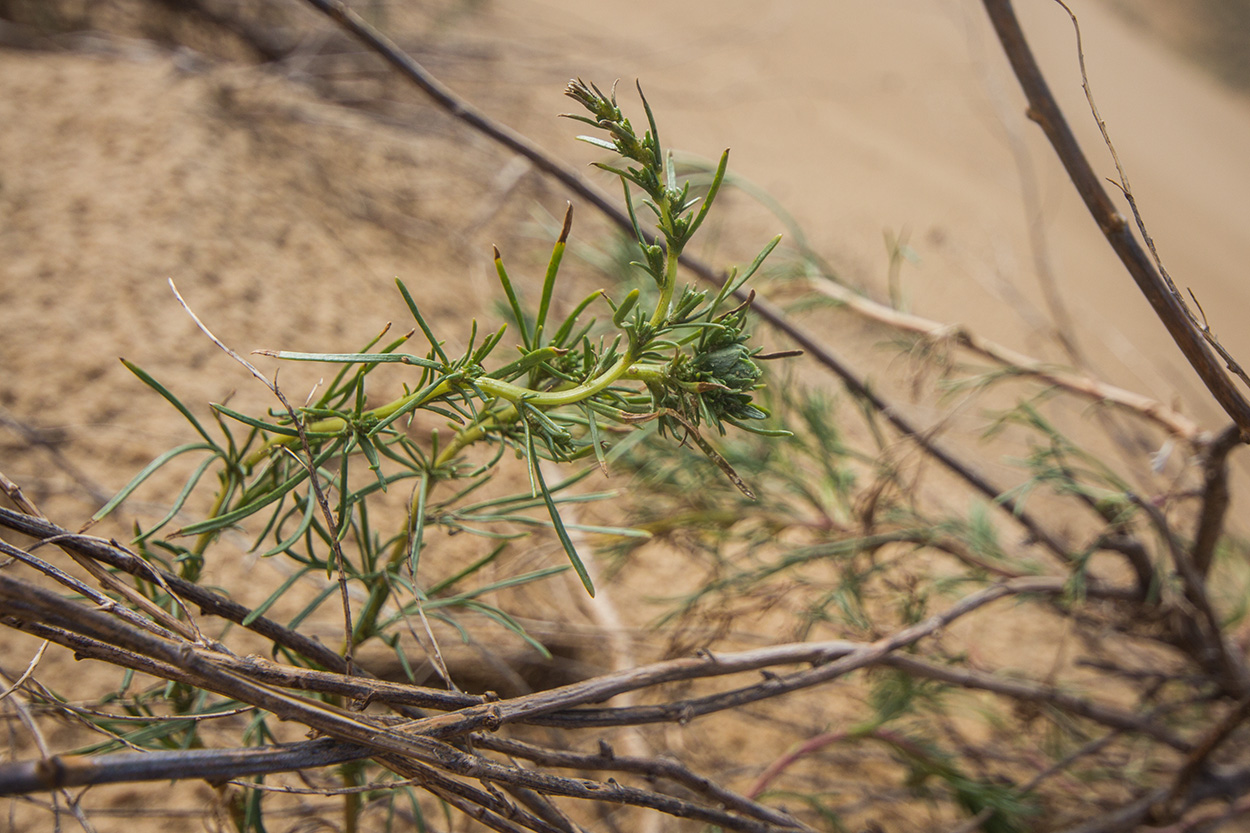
pixel 1086 387
pixel 1166 303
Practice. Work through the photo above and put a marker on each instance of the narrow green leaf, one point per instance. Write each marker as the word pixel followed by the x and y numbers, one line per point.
pixel 508 622
pixel 180 500
pixel 417 524
pixel 759 259
pixel 734 284
pixel 375 464
pixel 527 361
pixel 556 521
pixel 169 397
pixel 655 131
pixel 468 351
pixel 372 358
pixel 569 323
pixel 512 299
pixel 614 171
pixel 310 508
pixel 670 172
pixel 597 142
pixel 264 606
pixel 332 390
pixel 592 423
pixel 531 458
pixel 147 471
pixel 491 342
pixel 553 266
pixel 584 119
pixel 626 307
pixel 326 592
pixel 502 584
pixel 425 328
pixel 451 581
pixel 343 509
pixel 230 518
pixel 253 421
pixel 711 195
pixel 633 216
pixel 618 531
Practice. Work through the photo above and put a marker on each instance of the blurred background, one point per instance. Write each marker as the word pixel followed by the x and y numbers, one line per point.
pixel 282 177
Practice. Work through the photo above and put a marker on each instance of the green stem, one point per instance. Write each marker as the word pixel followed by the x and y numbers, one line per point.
pixel 205 538
pixel 512 395
pixel 652 373
pixel 381 589
pixel 334 425
pixel 672 254
pixel 353 776
pixel 494 387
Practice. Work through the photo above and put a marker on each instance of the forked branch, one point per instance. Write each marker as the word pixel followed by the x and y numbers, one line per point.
pixel 1167 305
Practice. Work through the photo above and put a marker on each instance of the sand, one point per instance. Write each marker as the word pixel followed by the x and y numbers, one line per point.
pixel 284 218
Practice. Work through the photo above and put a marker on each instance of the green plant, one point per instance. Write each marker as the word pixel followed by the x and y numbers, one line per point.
pixel 1141 706
pixel 678 358
pixel 681 360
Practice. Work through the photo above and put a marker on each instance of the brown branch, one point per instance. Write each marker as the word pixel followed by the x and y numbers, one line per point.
pixel 22 602
pixel 1137 556
pixel 482 805
pixel 1202 326
pixel 1167 305
pixel 1171 807
pixel 472 766
pixel 209 764
pixel 1031 692
pixel 860 656
pixel 101 601
pixel 554 707
pixel 96 633
pixel 1215 499
pixel 543 807
pixel 14 493
pixel 210 603
pixel 607 759
pixel 1212 650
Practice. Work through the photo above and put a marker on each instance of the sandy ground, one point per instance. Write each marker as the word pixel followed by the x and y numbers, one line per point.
pixel 284 218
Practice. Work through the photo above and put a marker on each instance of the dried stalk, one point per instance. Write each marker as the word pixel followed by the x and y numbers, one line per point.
pixel 1086 387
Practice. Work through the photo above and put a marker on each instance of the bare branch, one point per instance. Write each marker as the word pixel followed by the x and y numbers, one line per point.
pixel 1213 648
pixel 1215 499
pixel 1167 305
pixel 652 767
pixel 210 603
pixel 1174 422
